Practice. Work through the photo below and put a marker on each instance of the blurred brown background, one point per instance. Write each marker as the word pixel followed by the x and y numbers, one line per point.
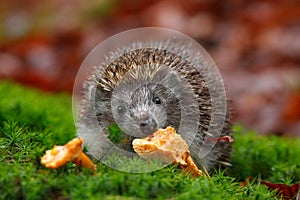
pixel 256 45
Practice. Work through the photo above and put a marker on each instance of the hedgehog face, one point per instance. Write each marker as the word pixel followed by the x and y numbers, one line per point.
pixel 142 111
pixel 147 108
pixel 143 102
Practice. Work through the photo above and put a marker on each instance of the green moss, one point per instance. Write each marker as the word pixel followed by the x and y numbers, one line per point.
pixel 32 122
pixel 115 134
pixel 270 157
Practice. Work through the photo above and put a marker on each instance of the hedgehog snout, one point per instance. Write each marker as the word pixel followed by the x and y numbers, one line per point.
pixel 148 125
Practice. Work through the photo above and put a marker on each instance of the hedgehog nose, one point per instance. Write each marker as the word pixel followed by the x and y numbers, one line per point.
pixel 148 126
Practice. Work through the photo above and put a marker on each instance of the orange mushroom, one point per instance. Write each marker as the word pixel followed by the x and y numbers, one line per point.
pixel 61 155
pixel 168 146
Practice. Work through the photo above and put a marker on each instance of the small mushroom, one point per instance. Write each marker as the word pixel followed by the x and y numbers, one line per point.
pixel 61 155
pixel 168 146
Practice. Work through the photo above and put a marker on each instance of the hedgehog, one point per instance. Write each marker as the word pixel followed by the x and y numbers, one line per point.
pixel 154 84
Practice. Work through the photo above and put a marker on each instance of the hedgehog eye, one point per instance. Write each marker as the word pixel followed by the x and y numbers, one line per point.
pixel 156 100
pixel 121 109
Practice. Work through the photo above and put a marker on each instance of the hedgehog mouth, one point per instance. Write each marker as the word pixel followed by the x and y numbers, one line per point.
pixel 148 126
pixel 148 130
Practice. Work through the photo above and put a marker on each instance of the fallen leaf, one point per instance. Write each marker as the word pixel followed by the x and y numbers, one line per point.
pixel 287 192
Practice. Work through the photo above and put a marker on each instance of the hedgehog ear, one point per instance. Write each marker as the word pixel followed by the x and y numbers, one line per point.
pixel 172 78
pixel 101 94
pixel 94 92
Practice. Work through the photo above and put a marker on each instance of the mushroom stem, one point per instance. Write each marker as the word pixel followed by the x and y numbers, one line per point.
pixel 84 161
